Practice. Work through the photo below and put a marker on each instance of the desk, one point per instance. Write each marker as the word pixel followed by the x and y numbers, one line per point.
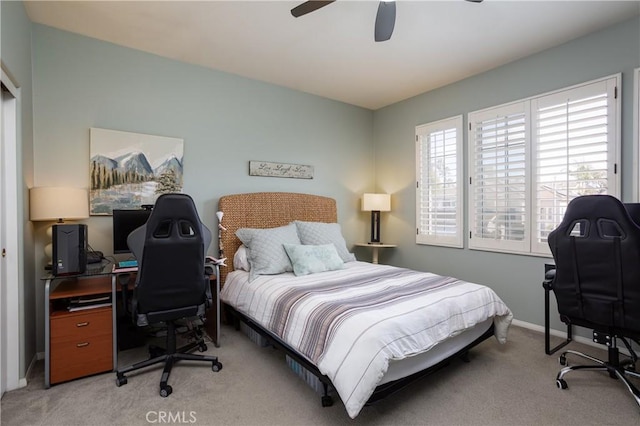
pixel 93 324
pixel 375 247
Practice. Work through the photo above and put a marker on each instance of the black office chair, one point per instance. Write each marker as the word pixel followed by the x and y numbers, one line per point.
pixel 172 282
pixel 596 250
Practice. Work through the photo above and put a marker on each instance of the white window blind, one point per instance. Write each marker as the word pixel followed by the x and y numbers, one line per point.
pixel 439 183
pixel 574 131
pixel 499 182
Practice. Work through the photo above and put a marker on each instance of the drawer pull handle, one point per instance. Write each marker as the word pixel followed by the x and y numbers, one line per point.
pixel 82 345
pixel 82 324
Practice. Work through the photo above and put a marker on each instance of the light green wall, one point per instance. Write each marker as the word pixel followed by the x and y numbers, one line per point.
pixel 15 54
pixel 517 279
pixel 225 121
pixel 228 120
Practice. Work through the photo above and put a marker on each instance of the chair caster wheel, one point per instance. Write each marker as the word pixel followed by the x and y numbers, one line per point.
pixel 562 384
pixel 121 380
pixel 165 391
pixel 327 401
pixel 216 366
pixel 202 347
pixel 563 359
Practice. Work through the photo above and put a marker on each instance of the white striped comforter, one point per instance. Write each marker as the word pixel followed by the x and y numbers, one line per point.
pixel 351 323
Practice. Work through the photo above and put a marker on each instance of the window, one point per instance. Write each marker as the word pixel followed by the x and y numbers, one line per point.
pixel 528 159
pixel 499 181
pixel 576 151
pixel 439 183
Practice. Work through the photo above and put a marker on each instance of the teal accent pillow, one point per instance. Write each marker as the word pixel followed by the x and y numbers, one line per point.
pixel 307 259
pixel 317 233
pixel 265 251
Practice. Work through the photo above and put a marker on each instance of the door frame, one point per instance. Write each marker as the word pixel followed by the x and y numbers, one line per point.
pixel 636 134
pixel 9 270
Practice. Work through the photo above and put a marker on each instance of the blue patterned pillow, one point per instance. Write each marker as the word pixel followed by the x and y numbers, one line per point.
pixel 265 250
pixel 315 233
pixel 308 259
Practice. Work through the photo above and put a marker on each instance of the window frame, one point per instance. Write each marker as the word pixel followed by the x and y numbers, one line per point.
pixel 447 124
pixel 529 245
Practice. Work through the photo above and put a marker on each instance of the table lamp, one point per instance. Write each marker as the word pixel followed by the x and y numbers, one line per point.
pixel 376 203
pixel 48 204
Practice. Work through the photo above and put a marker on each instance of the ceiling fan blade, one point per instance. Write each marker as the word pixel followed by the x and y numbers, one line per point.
pixel 385 20
pixel 475 1
pixel 308 7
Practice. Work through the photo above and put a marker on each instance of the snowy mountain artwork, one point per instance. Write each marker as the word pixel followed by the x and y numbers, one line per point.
pixel 128 170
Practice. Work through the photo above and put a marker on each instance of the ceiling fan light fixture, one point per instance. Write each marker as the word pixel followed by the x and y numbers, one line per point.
pixel 385 18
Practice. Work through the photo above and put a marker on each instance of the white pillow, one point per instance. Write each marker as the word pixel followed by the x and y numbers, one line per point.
pixel 318 233
pixel 308 259
pixel 265 252
pixel 240 261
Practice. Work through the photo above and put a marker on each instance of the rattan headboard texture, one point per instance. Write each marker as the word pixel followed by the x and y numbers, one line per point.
pixel 268 210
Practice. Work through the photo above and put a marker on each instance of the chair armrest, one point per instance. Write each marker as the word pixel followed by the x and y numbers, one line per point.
pixel 550 274
pixel 209 269
pixel 549 277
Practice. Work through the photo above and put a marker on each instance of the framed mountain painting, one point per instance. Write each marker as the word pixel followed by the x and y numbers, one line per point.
pixel 129 170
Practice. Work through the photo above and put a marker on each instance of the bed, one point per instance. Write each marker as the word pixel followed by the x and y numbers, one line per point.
pixel 364 330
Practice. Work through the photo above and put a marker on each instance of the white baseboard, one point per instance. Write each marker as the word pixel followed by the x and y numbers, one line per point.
pixel 563 334
pixel 23 381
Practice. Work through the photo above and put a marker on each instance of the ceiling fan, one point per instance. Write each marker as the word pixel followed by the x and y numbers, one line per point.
pixel 385 18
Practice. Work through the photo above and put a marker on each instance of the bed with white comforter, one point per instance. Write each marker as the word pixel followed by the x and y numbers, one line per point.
pixel 351 323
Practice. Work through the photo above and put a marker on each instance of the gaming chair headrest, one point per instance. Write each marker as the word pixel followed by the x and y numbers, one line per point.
pixel 598 217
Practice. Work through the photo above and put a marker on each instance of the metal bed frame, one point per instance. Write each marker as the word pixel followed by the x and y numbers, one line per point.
pixel 381 391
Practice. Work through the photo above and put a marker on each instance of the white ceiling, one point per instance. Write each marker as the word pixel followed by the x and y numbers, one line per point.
pixel 331 51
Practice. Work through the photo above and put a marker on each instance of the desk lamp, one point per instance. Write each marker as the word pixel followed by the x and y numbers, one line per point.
pixel 48 204
pixel 376 203
pixel 221 228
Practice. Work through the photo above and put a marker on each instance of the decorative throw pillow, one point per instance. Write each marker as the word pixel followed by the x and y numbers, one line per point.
pixel 317 233
pixel 240 261
pixel 307 259
pixel 265 252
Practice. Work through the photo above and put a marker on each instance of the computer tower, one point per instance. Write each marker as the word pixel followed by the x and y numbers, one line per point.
pixel 69 249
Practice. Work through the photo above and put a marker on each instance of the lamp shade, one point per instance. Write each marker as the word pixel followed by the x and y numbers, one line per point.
pixel 376 202
pixel 54 203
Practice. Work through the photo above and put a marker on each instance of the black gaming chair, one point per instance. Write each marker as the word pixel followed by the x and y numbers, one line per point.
pixel 596 250
pixel 172 282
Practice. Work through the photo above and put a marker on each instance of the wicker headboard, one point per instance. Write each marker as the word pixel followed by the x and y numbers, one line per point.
pixel 268 210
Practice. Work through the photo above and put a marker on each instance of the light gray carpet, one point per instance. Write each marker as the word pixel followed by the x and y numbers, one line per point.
pixel 512 384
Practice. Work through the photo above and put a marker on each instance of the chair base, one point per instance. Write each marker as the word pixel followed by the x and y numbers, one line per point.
pixel 615 369
pixel 169 357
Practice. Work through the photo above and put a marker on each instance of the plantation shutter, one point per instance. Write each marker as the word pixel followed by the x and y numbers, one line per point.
pixel 575 151
pixel 438 186
pixel 498 178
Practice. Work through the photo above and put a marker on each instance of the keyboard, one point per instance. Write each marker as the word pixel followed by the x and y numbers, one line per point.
pixel 128 264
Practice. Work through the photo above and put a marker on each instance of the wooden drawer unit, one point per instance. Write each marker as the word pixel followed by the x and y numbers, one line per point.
pixel 81 343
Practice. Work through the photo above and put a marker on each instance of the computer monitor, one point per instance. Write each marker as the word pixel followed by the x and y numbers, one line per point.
pixel 125 221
